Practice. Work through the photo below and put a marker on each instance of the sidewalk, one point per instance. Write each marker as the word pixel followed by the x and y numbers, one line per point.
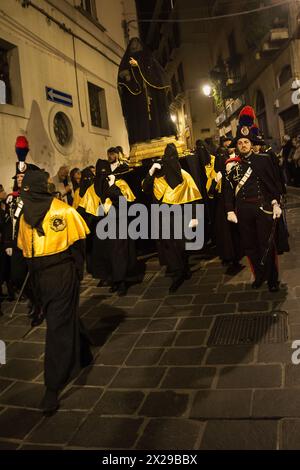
pixel 156 384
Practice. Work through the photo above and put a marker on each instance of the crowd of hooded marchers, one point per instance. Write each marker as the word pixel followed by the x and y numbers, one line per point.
pixel 48 229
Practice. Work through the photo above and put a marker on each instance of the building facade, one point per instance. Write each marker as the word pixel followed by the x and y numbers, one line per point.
pixel 257 61
pixel 184 51
pixel 58 80
pixel 245 59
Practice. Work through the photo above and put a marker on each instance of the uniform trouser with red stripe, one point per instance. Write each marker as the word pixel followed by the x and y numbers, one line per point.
pixel 255 227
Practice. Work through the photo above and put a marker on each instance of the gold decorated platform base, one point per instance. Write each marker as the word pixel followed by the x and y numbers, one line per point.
pixel 154 148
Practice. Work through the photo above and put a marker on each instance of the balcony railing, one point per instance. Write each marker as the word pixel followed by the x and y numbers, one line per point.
pixel 279 34
pixel 227 74
pixel 273 41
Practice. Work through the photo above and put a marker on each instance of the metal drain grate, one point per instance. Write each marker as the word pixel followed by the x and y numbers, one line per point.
pixel 249 329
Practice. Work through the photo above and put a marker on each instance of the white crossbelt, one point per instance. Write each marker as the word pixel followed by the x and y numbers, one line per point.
pixel 17 215
pixel 243 180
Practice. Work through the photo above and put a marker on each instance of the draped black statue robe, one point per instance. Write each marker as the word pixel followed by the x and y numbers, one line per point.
pixel 143 90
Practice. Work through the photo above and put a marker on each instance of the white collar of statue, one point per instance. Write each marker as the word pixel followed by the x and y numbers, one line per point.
pixel 115 165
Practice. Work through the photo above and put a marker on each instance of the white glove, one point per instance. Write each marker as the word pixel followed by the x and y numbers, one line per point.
pixel 218 177
pixel 231 217
pixel 193 223
pixel 276 210
pixel 230 165
pixel 111 180
pixel 155 166
pixel 8 251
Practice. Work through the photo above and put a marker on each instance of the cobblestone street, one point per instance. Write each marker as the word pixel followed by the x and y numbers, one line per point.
pixel 155 383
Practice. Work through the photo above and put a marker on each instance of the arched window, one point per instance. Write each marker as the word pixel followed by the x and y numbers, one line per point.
pixel 285 75
pixel 2 92
pixel 261 113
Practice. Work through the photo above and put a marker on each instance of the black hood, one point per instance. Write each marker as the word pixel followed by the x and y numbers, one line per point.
pixel 87 179
pixel 74 182
pixel 101 182
pixel 36 198
pixel 171 166
pixel 202 152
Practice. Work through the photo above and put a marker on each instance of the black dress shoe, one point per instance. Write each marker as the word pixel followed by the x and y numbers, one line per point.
pixel 274 287
pixel 187 274
pixel 257 284
pixel 176 284
pixel 114 287
pixel 225 262
pixel 234 269
pixel 31 311
pixel 122 289
pixel 49 403
pixel 37 320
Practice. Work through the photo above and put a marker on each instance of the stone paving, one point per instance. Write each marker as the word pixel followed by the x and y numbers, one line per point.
pixel 155 383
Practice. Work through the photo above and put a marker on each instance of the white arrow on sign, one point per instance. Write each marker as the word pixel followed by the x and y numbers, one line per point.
pixel 54 95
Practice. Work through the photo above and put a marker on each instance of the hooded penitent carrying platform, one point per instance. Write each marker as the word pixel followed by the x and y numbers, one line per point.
pixel 100 192
pixel 172 184
pixel 111 259
pixel 101 179
pixel 87 179
pixel 171 166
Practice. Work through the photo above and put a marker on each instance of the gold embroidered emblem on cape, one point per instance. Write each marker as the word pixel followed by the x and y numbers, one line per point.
pixel 57 223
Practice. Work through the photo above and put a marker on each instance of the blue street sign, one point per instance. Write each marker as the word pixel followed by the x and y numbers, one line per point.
pixel 58 97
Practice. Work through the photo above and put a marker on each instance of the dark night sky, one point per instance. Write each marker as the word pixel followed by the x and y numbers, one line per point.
pixel 145 9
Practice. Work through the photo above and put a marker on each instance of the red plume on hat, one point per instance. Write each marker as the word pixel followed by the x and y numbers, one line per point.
pixel 22 149
pixel 22 142
pixel 247 116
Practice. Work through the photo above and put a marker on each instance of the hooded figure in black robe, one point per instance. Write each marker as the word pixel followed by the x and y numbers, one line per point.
pixel 172 185
pixel 143 92
pixel 113 260
pixel 55 262
pixel 87 179
pixel 16 264
pixel 204 158
pixel 227 236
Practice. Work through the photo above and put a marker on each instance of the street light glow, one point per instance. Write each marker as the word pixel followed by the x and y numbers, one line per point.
pixel 207 90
